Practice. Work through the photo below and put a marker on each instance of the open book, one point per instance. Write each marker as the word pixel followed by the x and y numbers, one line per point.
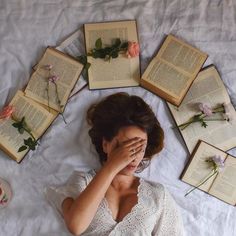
pixel 73 45
pixel 172 71
pixel 207 88
pixel 222 184
pixel 118 72
pixel 37 117
pixel 65 67
pixel 39 104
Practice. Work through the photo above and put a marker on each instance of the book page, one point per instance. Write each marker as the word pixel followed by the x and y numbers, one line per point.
pixel 43 91
pixel 118 72
pixel 73 45
pixel 182 56
pixel 174 67
pixel 224 186
pixel 199 169
pixel 207 88
pixel 11 140
pixel 37 118
pixel 158 74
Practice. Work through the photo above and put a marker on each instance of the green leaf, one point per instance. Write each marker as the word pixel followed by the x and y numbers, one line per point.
pixel 16 125
pixel 117 43
pixel 28 141
pixel 21 130
pixel 98 43
pixel 114 54
pixel 22 148
pixel 95 54
pixel 87 66
pixel 32 147
pixel 124 45
pixel 82 59
pixel 22 120
pixel 107 50
pixel 204 124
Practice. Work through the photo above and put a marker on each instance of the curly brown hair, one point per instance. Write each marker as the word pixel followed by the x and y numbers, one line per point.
pixel 120 110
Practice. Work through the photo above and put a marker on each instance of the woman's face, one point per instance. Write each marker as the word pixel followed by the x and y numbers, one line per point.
pixel 125 134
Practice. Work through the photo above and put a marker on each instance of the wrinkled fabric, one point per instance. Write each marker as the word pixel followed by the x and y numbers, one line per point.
pixel 27 27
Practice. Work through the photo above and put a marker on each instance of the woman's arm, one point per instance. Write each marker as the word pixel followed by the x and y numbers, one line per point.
pixel 79 213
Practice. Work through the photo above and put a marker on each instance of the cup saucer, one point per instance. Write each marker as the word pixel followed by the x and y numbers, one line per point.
pixel 7 193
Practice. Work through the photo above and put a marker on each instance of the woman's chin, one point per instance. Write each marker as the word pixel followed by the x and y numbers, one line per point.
pixel 128 170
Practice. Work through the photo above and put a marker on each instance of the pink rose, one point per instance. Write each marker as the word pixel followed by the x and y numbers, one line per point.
pixel 133 49
pixel 6 112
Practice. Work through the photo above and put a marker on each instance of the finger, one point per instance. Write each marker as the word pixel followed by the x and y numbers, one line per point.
pixel 131 141
pixel 141 143
pixel 137 151
pixel 135 143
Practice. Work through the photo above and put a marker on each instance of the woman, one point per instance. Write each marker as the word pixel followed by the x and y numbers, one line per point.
pixel 113 201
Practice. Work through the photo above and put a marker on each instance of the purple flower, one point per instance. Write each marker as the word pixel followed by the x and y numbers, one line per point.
pixel 218 161
pixel 205 109
pixel 48 67
pixel 53 78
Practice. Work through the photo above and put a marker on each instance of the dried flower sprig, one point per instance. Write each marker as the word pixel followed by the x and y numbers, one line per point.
pixel 52 78
pixel 217 165
pixel 206 114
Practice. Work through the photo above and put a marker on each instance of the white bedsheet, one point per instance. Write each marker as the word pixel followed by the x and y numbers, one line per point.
pixel 28 26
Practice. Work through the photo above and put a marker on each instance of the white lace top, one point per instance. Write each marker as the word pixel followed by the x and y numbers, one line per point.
pixel 154 214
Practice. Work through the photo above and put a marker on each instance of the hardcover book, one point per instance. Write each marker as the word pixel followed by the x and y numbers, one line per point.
pixel 172 71
pixel 207 88
pixel 41 101
pixel 118 72
pixel 221 185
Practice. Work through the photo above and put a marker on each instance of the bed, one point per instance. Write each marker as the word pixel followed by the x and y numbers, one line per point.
pixel 28 26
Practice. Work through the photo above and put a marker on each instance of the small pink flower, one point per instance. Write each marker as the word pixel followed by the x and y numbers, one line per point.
pixel 6 112
pixel 133 49
pixel 205 109
pixel 218 161
pixel 48 67
pixel 53 78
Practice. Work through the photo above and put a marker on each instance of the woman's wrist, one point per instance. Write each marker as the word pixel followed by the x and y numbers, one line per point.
pixel 109 167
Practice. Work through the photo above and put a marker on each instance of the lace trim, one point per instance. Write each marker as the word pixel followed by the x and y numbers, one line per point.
pixel 107 208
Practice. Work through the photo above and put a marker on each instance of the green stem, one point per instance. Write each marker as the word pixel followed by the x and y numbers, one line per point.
pixel 58 100
pixel 48 95
pixel 214 119
pixel 202 182
pixel 187 124
pixel 59 103
pixel 27 130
